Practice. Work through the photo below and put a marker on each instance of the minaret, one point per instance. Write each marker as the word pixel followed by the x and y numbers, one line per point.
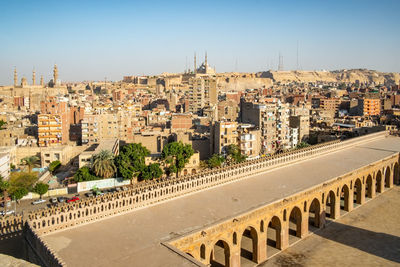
pixel 55 77
pixel 33 77
pixel 205 63
pixel 15 77
pixel 41 81
pixel 195 65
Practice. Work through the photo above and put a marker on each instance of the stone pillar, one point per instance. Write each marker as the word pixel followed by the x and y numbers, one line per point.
pixel 350 201
pixel 234 258
pixel 283 241
pixel 261 252
pixel 304 225
pixel 362 197
pixel 391 178
pixel 373 189
pixel 336 208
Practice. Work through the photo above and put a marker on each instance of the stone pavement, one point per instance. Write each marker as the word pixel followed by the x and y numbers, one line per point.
pixel 134 239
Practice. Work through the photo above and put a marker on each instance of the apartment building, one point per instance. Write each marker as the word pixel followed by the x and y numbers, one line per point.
pixel 50 130
pixel 202 93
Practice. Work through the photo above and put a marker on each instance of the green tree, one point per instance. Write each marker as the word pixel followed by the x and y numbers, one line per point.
pixel 84 174
pixel 54 166
pixel 216 160
pixel 4 186
pixel 131 160
pixel 103 164
pixel 152 171
pixel 302 145
pixel 22 180
pixel 30 162
pixel 176 155
pixel 2 123
pixel 20 193
pixel 234 155
pixel 41 189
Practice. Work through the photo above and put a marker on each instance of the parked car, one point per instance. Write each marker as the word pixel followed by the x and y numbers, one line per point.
pixel 89 194
pixel 39 201
pixel 9 212
pixel 61 199
pixel 118 189
pixel 124 188
pixel 72 199
pixel 53 200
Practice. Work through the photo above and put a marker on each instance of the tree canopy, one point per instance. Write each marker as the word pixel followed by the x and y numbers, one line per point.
pixel 216 160
pixel 84 174
pixel 54 166
pixel 41 189
pixel 152 171
pixel 30 162
pixel 103 164
pixel 176 155
pixel 131 160
pixel 21 183
pixel 234 155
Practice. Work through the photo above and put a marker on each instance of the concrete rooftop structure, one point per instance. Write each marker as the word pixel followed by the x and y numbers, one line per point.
pixel 134 239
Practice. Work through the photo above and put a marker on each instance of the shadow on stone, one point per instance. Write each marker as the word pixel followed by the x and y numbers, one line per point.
pixel 379 244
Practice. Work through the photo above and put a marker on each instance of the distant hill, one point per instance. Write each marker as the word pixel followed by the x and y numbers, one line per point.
pixel 354 75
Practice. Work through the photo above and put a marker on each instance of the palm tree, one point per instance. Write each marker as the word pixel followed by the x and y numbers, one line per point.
pixel 30 162
pixel 103 164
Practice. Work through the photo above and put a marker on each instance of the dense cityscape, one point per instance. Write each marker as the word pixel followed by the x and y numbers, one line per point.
pixel 235 166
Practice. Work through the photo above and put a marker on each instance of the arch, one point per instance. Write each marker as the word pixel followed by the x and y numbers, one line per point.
pixel 274 234
pixel 396 176
pixel 357 191
pixel 368 187
pixel 220 254
pixel 295 220
pixel 203 252
pixel 388 182
pixel 344 198
pixel 378 182
pixel 185 172
pixel 330 205
pixel 248 245
pixel 315 213
pixel 193 171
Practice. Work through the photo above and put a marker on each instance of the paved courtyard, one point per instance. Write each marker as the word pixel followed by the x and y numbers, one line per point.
pixel 367 236
pixel 134 239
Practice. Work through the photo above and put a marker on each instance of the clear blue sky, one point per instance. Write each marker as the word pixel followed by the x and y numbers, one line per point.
pixel 90 40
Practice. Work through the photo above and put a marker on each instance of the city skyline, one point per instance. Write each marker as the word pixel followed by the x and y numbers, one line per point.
pixel 92 41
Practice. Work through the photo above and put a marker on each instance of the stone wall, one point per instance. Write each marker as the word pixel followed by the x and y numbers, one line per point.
pixel 37 251
pixel 93 209
pixel 10 225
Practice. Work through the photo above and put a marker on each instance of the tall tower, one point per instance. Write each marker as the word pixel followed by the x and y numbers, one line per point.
pixel 41 81
pixel 15 77
pixel 195 65
pixel 33 77
pixel 280 66
pixel 55 77
pixel 205 63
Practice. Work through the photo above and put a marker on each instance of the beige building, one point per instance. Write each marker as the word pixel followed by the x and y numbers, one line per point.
pixel 202 93
pixel 225 133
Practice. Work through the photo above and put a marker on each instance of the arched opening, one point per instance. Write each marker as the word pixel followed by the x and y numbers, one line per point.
pixel 220 254
pixel 202 251
pixel 368 187
pixel 330 205
pixel 248 246
pixel 357 192
pixel 387 177
pixel 314 219
pixel 274 236
pixel 193 171
pixel 378 182
pixel 396 176
pixel 294 225
pixel 185 172
pixel 344 198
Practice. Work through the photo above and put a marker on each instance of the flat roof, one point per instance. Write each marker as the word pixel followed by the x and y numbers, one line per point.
pixel 134 239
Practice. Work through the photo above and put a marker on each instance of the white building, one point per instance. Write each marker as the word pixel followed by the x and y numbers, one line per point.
pixel 5 165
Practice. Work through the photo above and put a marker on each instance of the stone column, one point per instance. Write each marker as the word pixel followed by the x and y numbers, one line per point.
pixel 362 197
pixel 283 241
pixel 304 225
pixel 261 252
pixel 373 189
pixel 234 258
pixel 350 201
pixel 336 208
